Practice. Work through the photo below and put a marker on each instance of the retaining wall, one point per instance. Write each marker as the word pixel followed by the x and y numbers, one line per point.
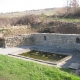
pixel 21 40
pixel 64 41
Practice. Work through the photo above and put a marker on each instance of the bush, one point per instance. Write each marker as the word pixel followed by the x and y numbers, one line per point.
pixel 4 22
pixel 77 13
pixel 25 20
pixel 73 14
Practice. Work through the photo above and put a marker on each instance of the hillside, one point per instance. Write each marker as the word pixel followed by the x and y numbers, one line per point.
pixel 27 22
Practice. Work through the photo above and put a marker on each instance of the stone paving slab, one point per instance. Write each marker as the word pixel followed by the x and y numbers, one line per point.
pixel 39 48
pixel 13 50
pixel 77 72
pixel 75 66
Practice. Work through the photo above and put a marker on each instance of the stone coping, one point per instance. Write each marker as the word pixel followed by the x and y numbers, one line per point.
pixel 41 33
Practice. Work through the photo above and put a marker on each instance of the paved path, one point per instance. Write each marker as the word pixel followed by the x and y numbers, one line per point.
pixel 13 50
pixel 16 50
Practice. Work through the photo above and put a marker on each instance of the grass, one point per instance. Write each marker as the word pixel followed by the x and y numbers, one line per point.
pixel 16 69
pixel 66 19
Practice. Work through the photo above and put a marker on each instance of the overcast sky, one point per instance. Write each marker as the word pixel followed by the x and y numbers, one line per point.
pixel 22 5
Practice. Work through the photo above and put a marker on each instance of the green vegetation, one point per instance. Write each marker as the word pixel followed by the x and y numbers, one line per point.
pixel 2 30
pixel 66 19
pixel 46 56
pixel 16 69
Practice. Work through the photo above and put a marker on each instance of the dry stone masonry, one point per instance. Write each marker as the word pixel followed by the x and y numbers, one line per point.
pixel 21 40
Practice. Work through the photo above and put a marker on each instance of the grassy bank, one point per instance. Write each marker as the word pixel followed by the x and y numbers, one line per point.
pixel 16 69
pixel 66 19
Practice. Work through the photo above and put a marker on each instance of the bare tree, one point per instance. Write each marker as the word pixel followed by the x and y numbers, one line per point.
pixel 74 5
pixel 68 6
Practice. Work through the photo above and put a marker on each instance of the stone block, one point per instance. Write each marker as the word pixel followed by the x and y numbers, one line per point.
pixel 74 66
pixel 77 72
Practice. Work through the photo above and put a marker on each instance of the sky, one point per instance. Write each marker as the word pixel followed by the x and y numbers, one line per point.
pixel 22 5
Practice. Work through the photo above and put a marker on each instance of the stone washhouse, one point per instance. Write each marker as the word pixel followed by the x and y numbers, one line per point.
pixel 54 40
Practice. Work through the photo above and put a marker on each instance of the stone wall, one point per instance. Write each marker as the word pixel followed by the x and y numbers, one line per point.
pixel 64 41
pixel 21 40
